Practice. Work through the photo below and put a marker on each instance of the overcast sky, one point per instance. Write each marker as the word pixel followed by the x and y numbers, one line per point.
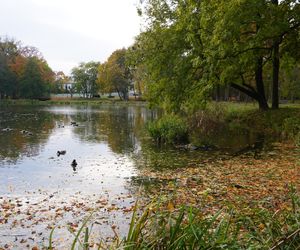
pixel 71 31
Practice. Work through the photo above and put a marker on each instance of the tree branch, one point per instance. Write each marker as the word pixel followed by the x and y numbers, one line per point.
pixel 249 92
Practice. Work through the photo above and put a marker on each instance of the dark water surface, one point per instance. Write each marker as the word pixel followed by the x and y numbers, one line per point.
pixel 110 146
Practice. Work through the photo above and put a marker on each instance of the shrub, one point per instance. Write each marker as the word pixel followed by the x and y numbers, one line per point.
pixel 169 129
pixel 291 127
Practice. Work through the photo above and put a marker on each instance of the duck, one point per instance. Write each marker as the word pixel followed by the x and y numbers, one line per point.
pixel 61 152
pixel 26 132
pixel 7 129
pixel 74 164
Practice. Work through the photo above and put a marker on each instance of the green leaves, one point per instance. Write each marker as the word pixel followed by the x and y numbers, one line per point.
pixel 190 46
pixel 32 84
pixel 115 75
pixel 85 76
pixel 169 129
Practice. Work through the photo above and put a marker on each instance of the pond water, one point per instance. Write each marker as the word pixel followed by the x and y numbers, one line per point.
pixel 40 189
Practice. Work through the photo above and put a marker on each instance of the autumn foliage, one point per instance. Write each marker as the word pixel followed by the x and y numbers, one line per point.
pixel 25 73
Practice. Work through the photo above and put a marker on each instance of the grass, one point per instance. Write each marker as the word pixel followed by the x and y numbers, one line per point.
pixel 68 101
pixel 169 129
pixel 162 227
pixel 284 122
pixel 225 116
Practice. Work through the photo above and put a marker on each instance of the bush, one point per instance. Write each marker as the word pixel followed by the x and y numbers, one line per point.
pixel 291 127
pixel 169 129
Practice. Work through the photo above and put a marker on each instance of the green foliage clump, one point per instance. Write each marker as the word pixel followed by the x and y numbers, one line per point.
pixel 169 129
pixel 291 127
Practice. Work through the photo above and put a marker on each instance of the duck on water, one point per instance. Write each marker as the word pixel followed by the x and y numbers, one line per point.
pixel 61 152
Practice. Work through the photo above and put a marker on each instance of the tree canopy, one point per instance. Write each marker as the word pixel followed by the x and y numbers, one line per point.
pixel 191 46
pixel 23 71
pixel 115 75
pixel 85 76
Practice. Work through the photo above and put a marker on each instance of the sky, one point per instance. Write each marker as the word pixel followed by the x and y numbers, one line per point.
pixel 68 32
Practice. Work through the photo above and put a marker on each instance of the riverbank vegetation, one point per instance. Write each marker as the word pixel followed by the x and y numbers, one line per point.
pixel 218 118
pixel 188 228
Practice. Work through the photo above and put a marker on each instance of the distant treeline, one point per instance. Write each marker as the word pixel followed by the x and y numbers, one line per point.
pixel 24 73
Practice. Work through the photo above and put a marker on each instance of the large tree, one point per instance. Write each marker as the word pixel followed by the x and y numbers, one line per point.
pixel 15 64
pixel 9 50
pixel 85 77
pixel 7 78
pixel 163 51
pixel 32 84
pixel 115 75
pixel 190 46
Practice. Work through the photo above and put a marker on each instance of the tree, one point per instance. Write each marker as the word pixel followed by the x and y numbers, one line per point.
pixel 103 79
pixel 9 50
pixel 234 47
pixel 115 75
pixel 16 60
pixel 163 51
pixel 7 79
pixel 290 80
pixel 85 76
pixel 59 80
pixel 189 47
pixel 32 84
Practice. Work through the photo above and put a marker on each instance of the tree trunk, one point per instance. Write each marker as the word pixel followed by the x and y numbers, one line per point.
pixel 275 87
pixel 261 98
pixel 257 93
pixel 218 93
pixel 119 94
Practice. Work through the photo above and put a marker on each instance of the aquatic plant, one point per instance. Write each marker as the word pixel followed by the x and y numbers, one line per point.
pixel 170 129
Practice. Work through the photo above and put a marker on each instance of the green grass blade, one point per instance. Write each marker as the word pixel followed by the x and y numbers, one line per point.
pixel 79 231
pixel 50 239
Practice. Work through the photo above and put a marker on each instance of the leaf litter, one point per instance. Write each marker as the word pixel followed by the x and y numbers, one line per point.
pixel 243 182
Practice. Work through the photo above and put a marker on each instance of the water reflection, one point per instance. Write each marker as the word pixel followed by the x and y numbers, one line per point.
pixel 95 142
pixel 27 134
pixel 86 131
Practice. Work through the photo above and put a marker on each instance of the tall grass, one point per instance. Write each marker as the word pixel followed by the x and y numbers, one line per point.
pixel 169 129
pixel 188 228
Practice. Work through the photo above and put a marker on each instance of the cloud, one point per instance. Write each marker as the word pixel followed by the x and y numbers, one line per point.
pixel 71 31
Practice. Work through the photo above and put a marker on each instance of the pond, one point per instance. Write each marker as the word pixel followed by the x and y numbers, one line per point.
pixel 39 187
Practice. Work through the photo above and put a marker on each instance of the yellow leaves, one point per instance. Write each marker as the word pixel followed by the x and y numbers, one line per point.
pixel 261 226
pixel 170 206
